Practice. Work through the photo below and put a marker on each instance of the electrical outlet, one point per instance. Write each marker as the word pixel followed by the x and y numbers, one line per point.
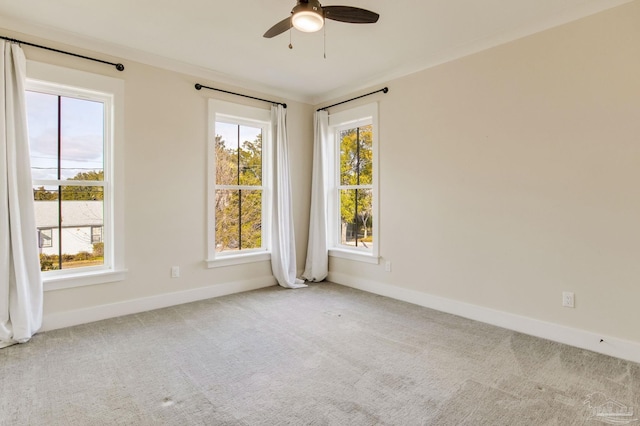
pixel 568 299
pixel 175 272
pixel 387 266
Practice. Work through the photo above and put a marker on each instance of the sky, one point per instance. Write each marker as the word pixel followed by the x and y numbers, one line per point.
pixel 229 133
pixel 82 135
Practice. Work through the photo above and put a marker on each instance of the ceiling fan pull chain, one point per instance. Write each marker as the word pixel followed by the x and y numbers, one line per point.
pixel 324 40
pixel 290 45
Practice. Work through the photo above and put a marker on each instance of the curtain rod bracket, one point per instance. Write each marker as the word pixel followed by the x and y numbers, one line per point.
pixel 199 86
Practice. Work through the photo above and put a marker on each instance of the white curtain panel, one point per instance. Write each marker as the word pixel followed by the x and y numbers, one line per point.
pixel 20 280
pixel 283 253
pixel 317 264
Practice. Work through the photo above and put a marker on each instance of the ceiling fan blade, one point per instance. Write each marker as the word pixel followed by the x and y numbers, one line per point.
pixel 352 15
pixel 278 28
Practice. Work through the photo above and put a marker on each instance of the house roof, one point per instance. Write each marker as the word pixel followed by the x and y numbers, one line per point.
pixel 74 213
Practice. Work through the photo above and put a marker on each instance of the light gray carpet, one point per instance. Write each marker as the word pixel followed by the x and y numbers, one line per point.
pixel 324 355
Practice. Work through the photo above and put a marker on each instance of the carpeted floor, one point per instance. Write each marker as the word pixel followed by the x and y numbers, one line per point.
pixel 324 355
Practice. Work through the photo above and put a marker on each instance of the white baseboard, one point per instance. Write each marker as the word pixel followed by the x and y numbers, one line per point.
pixel 112 310
pixel 606 345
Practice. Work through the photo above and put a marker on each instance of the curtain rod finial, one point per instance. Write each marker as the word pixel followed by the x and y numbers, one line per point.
pixel 198 86
pixel 385 90
pixel 120 67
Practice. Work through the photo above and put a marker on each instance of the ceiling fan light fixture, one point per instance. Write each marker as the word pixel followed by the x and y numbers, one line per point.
pixel 307 21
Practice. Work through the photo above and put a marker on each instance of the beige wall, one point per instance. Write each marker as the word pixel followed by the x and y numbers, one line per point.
pixel 513 174
pixel 166 175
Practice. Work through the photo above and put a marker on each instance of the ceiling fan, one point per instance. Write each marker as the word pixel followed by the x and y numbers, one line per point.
pixel 309 15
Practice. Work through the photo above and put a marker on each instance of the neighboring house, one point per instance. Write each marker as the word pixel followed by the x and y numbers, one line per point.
pixel 81 226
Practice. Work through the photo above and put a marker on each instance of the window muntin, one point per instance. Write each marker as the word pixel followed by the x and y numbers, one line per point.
pixel 45 238
pixel 239 196
pixel 96 235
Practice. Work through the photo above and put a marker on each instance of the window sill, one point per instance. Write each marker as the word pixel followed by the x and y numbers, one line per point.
pixel 238 259
pixel 358 256
pixel 61 282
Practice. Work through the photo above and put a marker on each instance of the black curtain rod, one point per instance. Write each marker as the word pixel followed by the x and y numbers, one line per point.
pixel 200 86
pixel 118 66
pixel 383 90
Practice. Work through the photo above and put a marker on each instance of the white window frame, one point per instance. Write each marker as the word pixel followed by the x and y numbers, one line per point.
pixel 227 112
pixel 347 119
pixel 100 238
pixel 41 232
pixel 67 82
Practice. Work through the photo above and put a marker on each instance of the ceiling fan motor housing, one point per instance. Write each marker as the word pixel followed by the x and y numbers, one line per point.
pixel 309 6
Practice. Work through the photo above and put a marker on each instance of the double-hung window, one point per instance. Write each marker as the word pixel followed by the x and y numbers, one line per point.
pixel 239 191
pixel 353 203
pixel 75 132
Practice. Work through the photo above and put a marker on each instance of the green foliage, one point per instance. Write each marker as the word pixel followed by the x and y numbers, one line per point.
pixel 85 193
pixel 49 262
pixel 239 212
pixel 41 194
pixel 83 255
pixel 90 175
pixel 98 249
pixel 74 193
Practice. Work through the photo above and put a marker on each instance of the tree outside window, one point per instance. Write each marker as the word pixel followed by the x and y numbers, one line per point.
pixel 355 186
pixel 239 187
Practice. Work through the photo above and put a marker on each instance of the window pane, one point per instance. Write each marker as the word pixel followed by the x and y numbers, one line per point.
pixel 348 157
pixel 227 220
pixel 73 234
pixel 47 222
pixel 42 116
pixel 251 219
pixel 81 139
pixel 365 163
pixel 356 218
pixel 356 156
pixel 250 156
pixel 80 215
pixel 45 193
pixel 238 219
pixel 226 154
pixel 83 193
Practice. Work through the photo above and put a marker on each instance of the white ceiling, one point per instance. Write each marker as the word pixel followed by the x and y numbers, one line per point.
pixel 223 39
